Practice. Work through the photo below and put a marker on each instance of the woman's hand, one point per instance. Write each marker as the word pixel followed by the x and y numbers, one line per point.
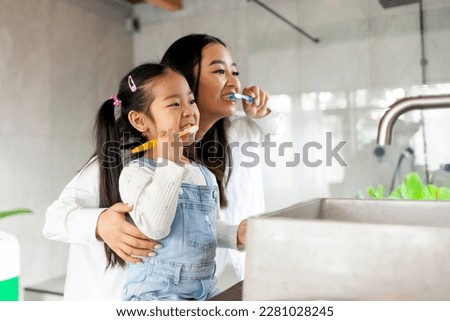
pixel 258 108
pixel 125 239
pixel 242 234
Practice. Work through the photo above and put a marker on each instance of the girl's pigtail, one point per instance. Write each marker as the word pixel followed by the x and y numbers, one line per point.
pixel 108 151
pixel 115 136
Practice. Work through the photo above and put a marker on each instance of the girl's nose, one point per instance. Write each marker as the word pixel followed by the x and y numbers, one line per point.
pixel 188 111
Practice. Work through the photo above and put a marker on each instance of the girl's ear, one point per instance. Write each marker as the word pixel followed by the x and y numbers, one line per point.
pixel 138 120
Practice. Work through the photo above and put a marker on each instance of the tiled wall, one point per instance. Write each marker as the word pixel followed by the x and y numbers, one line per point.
pixel 362 45
pixel 59 60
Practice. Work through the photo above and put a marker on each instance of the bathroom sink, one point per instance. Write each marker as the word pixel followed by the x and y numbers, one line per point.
pixel 350 249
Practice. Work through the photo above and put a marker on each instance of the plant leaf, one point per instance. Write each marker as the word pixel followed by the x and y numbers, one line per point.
pixel 377 194
pixel 414 186
pixel 15 212
pixel 403 191
pixel 371 192
pixel 395 194
pixel 431 192
pixel 444 193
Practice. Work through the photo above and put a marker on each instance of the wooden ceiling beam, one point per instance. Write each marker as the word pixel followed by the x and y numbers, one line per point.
pixel 170 5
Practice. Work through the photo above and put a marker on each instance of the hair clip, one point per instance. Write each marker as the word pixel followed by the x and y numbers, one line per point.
pixel 131 84
pixel 117 101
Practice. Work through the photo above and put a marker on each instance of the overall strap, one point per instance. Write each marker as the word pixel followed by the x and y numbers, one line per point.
pixel 207 174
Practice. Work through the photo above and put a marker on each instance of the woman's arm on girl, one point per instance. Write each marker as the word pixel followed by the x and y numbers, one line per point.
pixel 76 218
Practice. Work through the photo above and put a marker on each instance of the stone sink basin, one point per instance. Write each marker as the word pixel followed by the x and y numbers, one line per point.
pixel 350 249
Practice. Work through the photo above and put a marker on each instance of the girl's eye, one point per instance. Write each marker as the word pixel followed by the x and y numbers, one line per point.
pixel 192 102
pixel 220 71
pixel 174 105
pixel 236 73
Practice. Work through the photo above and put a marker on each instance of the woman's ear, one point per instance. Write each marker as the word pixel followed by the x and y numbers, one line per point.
pixel 138 120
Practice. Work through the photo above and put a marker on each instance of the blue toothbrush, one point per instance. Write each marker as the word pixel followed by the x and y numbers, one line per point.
pixel 241 96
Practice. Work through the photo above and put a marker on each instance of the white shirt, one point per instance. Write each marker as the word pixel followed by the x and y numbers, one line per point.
pixel 245 190
pixel 72 218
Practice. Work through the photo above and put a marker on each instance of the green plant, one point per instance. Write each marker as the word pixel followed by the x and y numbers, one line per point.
pixel 412 188
pixel 14 212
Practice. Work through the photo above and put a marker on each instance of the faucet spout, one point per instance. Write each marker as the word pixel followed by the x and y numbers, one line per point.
pixel 386 124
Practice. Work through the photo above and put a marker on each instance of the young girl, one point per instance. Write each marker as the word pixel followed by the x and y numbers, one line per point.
pixel 174 200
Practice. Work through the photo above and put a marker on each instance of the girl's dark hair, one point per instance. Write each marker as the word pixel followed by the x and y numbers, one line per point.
pixel 212 151
pixel 115 136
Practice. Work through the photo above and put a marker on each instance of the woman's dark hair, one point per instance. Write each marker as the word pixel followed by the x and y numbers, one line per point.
pixel 115 136
pixel 184 55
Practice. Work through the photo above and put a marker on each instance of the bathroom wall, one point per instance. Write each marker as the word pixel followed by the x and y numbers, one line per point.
pixel 362 45
pixel 367 58
pixel 59 60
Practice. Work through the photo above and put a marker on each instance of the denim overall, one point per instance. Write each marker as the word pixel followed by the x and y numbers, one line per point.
pixel 184 267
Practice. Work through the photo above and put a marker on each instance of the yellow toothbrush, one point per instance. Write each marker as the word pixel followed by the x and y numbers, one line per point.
pixel 152 143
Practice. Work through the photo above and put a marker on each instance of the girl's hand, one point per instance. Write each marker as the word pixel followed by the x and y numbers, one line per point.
pixel 170 147
pixel 258 108
pixel 241 234
pixel 125 239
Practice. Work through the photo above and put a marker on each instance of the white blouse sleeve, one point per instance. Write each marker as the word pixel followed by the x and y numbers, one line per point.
pixel 250 129
pixel 153 194
pixel 273 123
pixel 73 217
pixel 227 235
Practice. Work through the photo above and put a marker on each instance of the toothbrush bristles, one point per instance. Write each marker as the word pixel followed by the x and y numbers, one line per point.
pixel 236 96
pixel 189 130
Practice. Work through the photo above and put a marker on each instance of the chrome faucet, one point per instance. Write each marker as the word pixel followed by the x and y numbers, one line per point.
pixel 386 124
